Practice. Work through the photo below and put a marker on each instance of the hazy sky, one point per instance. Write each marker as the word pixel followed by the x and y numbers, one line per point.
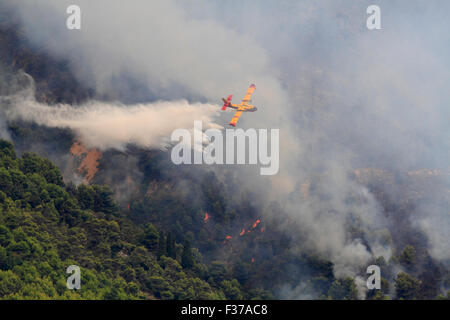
pixel 342 96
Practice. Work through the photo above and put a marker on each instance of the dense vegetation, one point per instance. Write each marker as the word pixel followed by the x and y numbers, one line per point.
pixel 45 226
pixel 153 241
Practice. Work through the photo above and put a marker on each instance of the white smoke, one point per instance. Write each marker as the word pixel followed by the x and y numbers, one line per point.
pixel 106 125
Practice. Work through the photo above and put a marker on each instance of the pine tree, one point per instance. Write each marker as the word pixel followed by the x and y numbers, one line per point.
pixel 162 248
pixel 187 259
pixel 170 246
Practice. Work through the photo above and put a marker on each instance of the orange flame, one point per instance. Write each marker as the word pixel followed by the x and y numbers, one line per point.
pixel 256 223
pixel 89 163
pixel 242 232
pixel 228 237
pixel 206 218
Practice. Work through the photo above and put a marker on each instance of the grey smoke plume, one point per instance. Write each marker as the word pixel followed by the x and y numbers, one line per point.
pixel 343 96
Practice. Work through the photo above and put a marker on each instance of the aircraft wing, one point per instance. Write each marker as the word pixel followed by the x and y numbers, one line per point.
pixel 235 118
pixel 249 93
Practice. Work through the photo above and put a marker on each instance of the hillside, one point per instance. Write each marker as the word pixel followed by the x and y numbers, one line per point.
pixel 45 226
pixel 142 228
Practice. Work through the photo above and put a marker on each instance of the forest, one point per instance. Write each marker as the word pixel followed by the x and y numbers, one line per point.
pixel 143 228
pixel 47 225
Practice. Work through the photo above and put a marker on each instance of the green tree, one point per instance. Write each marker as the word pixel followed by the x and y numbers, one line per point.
pixel 343 289
pixel 406 286
pixel 161 245
pixel 32 163
pixel 218 271
pixel 151 237
pixel 9 283
pixel 170 246
pixel 408 256
pixel 231 289
pixel 187 258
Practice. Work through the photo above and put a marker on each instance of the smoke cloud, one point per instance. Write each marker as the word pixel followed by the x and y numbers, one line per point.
pixel 343 97
pixel 109 125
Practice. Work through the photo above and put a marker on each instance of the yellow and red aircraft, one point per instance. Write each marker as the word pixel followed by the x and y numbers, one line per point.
pixel 244 106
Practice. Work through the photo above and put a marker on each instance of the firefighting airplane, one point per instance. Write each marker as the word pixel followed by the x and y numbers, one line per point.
pixel 244 106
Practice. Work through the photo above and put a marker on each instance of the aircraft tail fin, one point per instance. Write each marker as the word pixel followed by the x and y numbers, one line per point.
pixel 226 102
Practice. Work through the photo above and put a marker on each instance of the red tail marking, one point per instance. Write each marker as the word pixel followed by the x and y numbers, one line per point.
pixel 226 104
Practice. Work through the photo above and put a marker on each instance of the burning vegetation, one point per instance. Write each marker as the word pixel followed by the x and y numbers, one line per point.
pixel 89 160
